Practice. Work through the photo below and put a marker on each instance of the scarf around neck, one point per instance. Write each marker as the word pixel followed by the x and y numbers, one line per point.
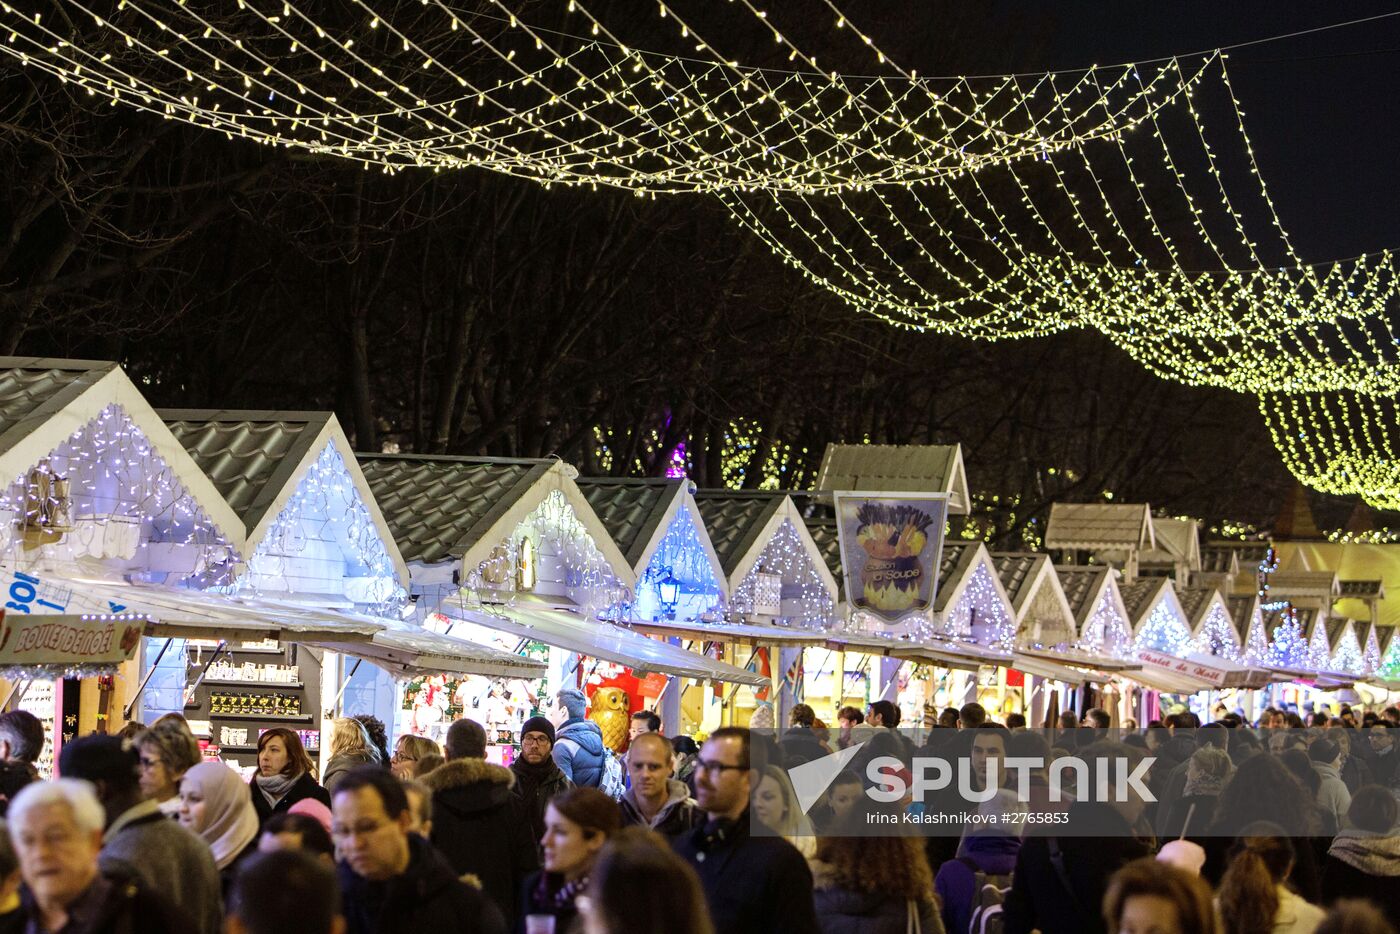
pixel 275 787
pixel 1373 855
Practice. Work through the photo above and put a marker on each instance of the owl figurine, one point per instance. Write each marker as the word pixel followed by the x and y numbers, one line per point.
pixel 611 714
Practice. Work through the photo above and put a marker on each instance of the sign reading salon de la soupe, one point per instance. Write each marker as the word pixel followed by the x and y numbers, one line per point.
pixel 890 549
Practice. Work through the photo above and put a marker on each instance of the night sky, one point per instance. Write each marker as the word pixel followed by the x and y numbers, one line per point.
pixel 1322 109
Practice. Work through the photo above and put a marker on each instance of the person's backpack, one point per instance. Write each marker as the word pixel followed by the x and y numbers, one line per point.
pixel 611 783
pixel 989 891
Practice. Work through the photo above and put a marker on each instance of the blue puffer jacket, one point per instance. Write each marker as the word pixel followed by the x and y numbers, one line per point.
pixel 578 751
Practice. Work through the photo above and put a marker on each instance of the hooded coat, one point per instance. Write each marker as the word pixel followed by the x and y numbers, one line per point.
pixel 842 908
pixel 678 815
pixel 425 897
pixel 1332 795
pixel 1362 865
pixel 482 828
pixel 956 883
pixel 578 751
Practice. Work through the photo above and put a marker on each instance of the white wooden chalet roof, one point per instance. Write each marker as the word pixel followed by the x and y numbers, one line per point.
pixel 1178 540
pixel 1100 526
pixel 44 401
pixel 897 468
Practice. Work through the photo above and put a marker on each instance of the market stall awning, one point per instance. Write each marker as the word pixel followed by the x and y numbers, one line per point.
pixel 736 633
pixel 1055 672
pixel 412 651
pixel 604 640
pixel 192 614
pixel 942 654
pixel 1167 682
pixel 1080 659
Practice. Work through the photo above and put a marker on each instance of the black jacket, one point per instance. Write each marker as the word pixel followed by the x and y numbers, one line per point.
pixel 123 905
pixel 752 884
pixel 1039 900
pixel 800 745
pixel 304 787
pixel 427 897
pixel 1364 866
pixel 534 787
pixel 482 828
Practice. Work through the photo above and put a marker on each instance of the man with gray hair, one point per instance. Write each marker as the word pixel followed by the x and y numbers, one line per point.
pixel 578 744
pixel 56 828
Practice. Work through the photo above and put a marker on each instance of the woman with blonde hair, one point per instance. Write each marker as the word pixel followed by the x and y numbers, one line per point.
pixel 775 806
pixel 873 884
pixel 408 752
pixel 350 748
pixel 1146 897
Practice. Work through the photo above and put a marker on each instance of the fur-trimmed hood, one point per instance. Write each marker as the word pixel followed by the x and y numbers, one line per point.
pixel 469 779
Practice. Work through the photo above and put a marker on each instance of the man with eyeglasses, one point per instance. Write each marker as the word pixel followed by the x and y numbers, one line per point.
pixel 538 777
pixel 394 881
pixel 753 883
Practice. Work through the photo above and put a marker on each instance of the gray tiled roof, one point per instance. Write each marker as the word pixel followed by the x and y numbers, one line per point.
pixel 1250 553
pixel 1335 627
pixel 958 555
pixel 250 456
pixel 631 510
pixel 1099 525
pixel 735 520
pixel 1138 596
pixel 1384 635
pixel 438 507
pixel 1195 601
pixel 1364 590
pixel 824 532
pixel 1081 584
pixel 34 388
pixel 1017 570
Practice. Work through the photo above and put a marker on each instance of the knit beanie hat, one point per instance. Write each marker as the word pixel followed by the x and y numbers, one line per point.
pixel 538 725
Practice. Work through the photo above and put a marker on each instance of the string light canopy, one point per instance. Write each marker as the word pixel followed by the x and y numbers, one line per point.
pixel 991 207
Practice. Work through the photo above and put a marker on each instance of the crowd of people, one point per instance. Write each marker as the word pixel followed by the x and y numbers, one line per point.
pixel 1247 828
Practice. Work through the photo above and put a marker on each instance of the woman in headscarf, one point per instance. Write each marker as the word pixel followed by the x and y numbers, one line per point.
pixel 285 774
pixel 214 804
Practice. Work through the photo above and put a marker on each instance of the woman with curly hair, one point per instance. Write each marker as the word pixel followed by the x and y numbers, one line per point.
pixel 1148 896
pixel 873 885
pixel 167 751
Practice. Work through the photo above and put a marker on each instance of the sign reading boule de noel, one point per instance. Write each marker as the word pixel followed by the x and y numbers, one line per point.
pixel 891 544
pixel 67 640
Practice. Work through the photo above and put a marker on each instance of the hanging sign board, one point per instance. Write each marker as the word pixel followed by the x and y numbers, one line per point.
pixel 67 640
pixel 891 545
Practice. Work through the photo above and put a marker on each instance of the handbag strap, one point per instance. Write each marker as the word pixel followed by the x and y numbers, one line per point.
pixel 912 925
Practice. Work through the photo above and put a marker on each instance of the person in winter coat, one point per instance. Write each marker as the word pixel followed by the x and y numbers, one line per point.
pixel 753 884
pixel 577 825
pixel 1059 882
pixel 873 885
pixel 1332 795
pixel 989 850
pixel 478 823
pixel 1355 769
pixel 578 744
pixel 393 881
pixel 1364 859
pixel 654 799
pixel 1263 789
pixel 1207 772
pixel 351 748
pixel 1384 754
pixel 537 776
pixel 56 828
pixel 285 775
pixel 800 744
pixel 1254 888
pixel 139 840
pixel 686 752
